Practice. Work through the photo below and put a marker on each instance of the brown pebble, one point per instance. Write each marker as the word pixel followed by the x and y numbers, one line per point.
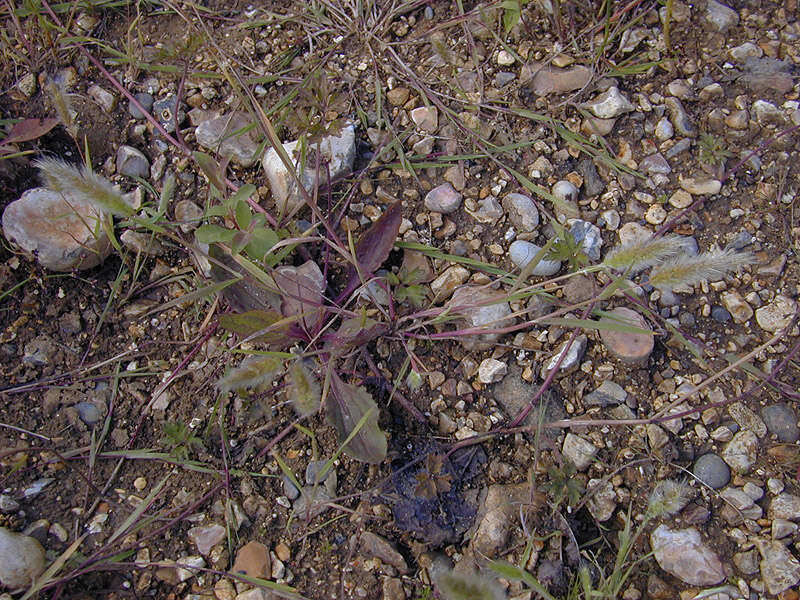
pixel 628 347
pixel 282 551
pixel 252 559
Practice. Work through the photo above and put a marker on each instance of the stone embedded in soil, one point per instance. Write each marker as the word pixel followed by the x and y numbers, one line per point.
pixel 491 370
pixel 747 419
pixel 145 243
pixel 633 233
pixel 188 214
pixel 481 308
pixel 522 211
pixel 8 504
pixel 736 305
pixel 62 232
pixel 784 506
pixel 496 517
pixel 337 153
pixel 700 186
pixel 588 237
pixel 609 393
pixel 655 163
pixel 132 162
pixel 741 452
pixel 205 537
pixel 218 134
pixel 572 358
pixel 104 99
pixel 374 546
pixel 443 199
pixel 603 499
pixel 684 554
pixel 629 347
pixel 712 470
pixel 680 118
pixel 777 314
pixel 426 118
pixel 22 559
pixel 781 420
pixel 579 451
pixel 446 283
pixel 609 105
pixel 253 560
pixel 779 569
pixel 522 252
pixel 143 98
pixel 549 80
pixel 719 16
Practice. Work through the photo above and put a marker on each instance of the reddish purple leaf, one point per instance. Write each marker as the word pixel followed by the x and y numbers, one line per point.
pixel 29 129
pixel 374 246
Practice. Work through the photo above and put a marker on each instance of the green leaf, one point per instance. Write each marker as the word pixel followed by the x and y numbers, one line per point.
pixel 261 241
pixel 243 214
pixel 247 323
pixel 239 241
pixel 211 169
pixel 354 414
pixel 304 391
pixel 210 234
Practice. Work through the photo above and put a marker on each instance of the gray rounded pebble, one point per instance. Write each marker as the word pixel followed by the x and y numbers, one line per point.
pixel 522 252
pixel 782 421
pixel 719 314
pixel 146 100
pixel 712 470
pixel 88 413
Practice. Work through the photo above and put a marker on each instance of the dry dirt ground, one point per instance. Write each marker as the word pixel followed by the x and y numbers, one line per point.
pixel 96 452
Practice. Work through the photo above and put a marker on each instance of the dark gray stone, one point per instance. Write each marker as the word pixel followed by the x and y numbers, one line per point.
pixel 146 100
pixel 712 470
pixel 782 421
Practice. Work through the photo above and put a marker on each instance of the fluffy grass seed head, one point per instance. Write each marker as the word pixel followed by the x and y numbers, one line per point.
pixel 689 270
pixel 69 180
pixel 638 256
pixel 668 498
pixel 62 104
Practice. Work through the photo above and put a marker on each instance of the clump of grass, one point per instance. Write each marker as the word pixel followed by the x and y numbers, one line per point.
pixel 712 149
pixel 689 270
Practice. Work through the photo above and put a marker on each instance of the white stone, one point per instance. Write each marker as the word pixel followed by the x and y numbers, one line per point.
pixel 491 370
pixel 338 151
pixel 22 559
pixel 63 232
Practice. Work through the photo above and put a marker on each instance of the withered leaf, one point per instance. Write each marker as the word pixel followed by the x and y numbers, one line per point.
pixel 247 323
pixel 345 408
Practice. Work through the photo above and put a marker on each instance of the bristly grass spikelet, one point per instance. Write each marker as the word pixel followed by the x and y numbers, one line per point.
pixel 255 372
pixel 62 104
pixel 668 498
pixel 688 270
pixel 638 256
pixel 69 180
pixel 303 391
